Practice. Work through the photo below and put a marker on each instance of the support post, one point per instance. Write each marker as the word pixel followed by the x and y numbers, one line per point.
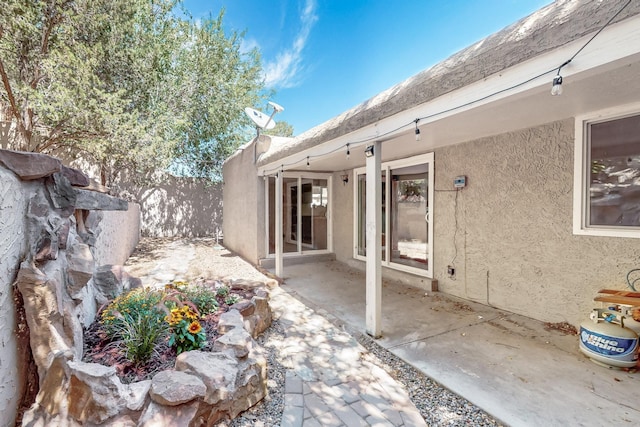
pixel 373 230
pixel 278 231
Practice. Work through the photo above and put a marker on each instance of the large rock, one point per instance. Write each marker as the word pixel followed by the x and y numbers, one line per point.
pixel 232 386
pixel 163 416
pixel 112 280
pixel 230 320
pixel 237 343
pixel 75 177
pixel 217 371
pixel 80 267
pixel 60 191
pixel 95 392
pixel 52 396
pixel 173 388
pixel 30 166
pixel 91 200
pixel 44 315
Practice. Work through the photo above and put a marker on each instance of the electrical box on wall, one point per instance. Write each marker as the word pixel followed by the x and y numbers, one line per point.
pixel 460 181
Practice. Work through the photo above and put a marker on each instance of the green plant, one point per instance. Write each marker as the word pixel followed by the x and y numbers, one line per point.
pixel 135 321
pixel 232 299
pixel 139 302
pixel 222 291
pixel 186 331
pixel 140 335
pixel 202 297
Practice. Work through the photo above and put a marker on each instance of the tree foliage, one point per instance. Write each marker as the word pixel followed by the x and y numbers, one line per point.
pixel 130 84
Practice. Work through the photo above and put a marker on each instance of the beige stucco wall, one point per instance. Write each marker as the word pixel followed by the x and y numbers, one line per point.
pixel 118 235
pixel 243 209
pixel 13 206
pixel 514 247
pixel 342 215
pixel 177 207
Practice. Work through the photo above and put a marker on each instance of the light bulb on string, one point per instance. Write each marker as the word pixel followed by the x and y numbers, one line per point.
pixel 308 164
pixel 556 89
pixel 417 130
pixel 348 152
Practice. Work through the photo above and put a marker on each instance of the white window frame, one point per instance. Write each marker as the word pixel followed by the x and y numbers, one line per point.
pixel 386 169
pixel 300 176
pixel 581 174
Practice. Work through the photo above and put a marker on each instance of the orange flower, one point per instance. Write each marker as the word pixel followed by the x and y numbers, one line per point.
pixel 195 327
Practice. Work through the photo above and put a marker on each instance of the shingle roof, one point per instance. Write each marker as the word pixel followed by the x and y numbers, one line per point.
pixel 546 29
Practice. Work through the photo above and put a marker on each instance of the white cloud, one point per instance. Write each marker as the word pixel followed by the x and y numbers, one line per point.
pixel 247 45
pixel 284 71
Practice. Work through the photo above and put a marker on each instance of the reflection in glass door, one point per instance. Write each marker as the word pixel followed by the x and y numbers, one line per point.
pixel 407 194
pixel 305 214
pixel 409 216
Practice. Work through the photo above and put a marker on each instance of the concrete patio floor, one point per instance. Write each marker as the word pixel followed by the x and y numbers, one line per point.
pixel 506 364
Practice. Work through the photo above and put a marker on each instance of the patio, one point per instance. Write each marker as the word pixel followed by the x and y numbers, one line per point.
pixel 509 365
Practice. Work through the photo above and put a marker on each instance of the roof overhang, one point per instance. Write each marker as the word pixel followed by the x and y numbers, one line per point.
pixel 603 75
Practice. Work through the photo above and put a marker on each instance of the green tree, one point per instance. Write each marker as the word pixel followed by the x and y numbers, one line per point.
pixel 132 84
pixel 281 129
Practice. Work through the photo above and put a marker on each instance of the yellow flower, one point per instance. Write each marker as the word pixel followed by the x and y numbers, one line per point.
pixel 195 327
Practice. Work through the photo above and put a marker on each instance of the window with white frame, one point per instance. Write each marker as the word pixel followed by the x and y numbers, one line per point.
pixel 607 193
pixel 407 194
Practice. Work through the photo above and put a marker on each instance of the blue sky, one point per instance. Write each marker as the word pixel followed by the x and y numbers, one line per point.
pixel 323 57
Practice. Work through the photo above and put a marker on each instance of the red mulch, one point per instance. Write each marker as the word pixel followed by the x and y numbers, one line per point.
pixel 98 348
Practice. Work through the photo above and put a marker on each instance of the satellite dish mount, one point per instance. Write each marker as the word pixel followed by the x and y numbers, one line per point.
pixel 262 121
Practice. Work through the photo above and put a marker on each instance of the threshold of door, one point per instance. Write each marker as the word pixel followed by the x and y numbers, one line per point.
pixel 297 259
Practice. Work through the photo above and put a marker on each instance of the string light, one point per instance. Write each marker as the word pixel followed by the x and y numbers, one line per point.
pixel 555 90
pixel 348 152
pixel 308 165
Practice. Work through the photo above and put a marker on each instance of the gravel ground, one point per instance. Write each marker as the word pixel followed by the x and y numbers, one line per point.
pixel 203 258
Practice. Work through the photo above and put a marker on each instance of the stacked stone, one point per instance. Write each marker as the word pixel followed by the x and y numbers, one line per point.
pixel 62 289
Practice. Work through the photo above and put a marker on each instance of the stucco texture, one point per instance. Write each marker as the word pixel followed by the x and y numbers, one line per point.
pixel 509 232
pixel 243 210
pixel 13 205
pixel 118 235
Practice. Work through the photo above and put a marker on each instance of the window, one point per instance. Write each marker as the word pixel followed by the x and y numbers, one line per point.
pixel 607 171
pixel 407 193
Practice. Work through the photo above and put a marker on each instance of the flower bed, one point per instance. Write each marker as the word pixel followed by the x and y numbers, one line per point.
pixel 141 333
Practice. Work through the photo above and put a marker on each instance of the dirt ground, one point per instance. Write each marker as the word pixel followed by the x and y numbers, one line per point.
pixel 160 260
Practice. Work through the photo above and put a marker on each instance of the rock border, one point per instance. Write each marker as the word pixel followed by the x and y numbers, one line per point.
pixel 203 388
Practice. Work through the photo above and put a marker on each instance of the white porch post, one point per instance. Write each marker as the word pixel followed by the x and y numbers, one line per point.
pixel 373 231
pixel 278 224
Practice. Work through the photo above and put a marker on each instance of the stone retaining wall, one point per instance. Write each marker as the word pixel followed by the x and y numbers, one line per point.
pixel 46 234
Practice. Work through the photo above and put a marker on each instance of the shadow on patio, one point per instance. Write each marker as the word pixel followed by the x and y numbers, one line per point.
pixel 506 364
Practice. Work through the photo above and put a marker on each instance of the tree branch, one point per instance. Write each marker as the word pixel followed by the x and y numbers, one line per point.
pixel 12 102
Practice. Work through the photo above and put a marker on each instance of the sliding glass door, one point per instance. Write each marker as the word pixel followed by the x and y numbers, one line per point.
pixel 305 213
pixel 407 194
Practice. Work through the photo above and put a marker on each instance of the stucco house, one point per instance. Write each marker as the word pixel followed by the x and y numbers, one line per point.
pixel 511 197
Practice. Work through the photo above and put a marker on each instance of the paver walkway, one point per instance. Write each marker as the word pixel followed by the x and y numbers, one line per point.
pixel 329 383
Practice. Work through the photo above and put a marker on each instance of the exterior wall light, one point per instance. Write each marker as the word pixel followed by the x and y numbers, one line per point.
pixel 368 151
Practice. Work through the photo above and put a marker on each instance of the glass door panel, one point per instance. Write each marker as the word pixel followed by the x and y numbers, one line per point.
pixel 362 206
pixel 305 203
pixel 409 216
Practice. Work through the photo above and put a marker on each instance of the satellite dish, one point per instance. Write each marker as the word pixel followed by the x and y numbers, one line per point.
pixel 277 108
pixel 261 120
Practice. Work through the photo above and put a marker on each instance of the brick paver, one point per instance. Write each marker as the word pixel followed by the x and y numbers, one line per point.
pixel 328 383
